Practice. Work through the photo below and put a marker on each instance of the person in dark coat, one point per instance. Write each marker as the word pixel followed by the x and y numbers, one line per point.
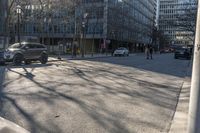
pixel 151 51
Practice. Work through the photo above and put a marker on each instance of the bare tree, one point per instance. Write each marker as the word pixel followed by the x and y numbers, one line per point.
pixel 64 12
pixel 95 16
pixel 8 9
pixel 185 20
pixel 11 17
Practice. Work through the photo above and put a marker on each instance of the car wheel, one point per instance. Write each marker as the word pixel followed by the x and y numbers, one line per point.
pixel 44 58
pixel 175 57
pixel 27 62
pixel 17 60
pixel 124 54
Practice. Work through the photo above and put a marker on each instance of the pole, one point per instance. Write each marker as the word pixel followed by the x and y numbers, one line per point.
pixel 194 106
pixel 18 28
pixel 82 51
pixel 84 35
pixel 75 30
pixel 93 45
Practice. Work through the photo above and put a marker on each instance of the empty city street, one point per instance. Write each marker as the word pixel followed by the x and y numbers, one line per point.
pixel 100 95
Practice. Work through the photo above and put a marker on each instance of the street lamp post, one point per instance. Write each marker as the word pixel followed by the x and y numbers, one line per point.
pixel 83 35
pixel 113 35
pixel 194 107
pixel 19 11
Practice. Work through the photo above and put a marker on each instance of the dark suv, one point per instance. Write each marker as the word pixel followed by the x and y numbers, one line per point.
pixel 182 53
pixel 27 52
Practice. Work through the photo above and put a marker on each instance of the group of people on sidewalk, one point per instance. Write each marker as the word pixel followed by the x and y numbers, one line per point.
pixel 149 52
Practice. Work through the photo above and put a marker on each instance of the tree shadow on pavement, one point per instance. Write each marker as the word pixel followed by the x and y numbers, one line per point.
pixel 92 99
pixel 7 102
pixel 35 65
pixel 163 64
pixel 110 122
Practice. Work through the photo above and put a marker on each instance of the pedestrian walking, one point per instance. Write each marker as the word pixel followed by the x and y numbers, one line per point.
pixel 151 51
pixel 147 51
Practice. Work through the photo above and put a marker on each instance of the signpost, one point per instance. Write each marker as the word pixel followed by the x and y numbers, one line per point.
pixel 194 106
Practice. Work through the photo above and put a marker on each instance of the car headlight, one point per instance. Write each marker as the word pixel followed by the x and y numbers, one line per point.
pixel 8 54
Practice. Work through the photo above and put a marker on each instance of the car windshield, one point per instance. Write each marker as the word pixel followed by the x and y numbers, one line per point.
pixel 121 49
pixel 181 49
pixel 16 45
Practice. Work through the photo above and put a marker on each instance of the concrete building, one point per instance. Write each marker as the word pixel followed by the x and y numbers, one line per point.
pixel 175 19
pixel 100 25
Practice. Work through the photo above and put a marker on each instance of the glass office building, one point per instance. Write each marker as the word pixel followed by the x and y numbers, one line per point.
pixel 108 24
pixel 173 23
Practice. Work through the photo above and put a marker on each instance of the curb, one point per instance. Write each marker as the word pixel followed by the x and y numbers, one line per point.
pixel 79 58
pixel 10 127
pixel 180 116
pixel 54 59
pixel 84 58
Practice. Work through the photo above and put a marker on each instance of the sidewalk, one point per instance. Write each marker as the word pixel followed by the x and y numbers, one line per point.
pixel 179 123
pixel 10 127
pixel 7 126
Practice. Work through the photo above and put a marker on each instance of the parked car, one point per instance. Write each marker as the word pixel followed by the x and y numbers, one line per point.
pixel 27 52
pixel 166 50
pixel 121 52
pixel 182 52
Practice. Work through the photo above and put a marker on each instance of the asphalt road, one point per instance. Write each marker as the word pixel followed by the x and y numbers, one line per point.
pixel 102 95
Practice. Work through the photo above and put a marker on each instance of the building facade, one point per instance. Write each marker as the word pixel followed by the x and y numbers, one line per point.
pixel 96 24
pixel 3 14
pixel 177 21
pixel 2 18
pixel 131 22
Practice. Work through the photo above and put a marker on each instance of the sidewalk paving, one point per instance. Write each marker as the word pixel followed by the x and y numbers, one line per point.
pixel 180 120
pixel 179 123
pixel 10 127
pixel 7 126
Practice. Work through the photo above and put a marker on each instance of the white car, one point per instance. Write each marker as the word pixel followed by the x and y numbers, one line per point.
pixel 121 52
